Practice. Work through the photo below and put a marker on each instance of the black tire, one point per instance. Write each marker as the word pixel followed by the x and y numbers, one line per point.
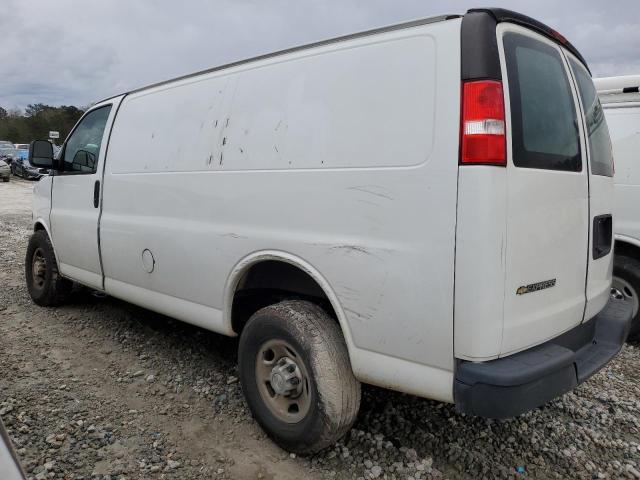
pixel 5 179
pixel 628 269
pixel 46 287
pixel 334 393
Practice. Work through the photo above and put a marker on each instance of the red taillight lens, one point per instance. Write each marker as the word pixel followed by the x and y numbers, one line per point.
pixel 482 125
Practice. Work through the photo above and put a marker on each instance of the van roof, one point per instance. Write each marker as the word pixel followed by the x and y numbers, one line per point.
pixel 625 88
pixel 504 15
pixel 617 84
pixel 498 14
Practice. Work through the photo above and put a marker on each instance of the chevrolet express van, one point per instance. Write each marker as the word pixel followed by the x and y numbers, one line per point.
pixel 620 98
pixel 424 207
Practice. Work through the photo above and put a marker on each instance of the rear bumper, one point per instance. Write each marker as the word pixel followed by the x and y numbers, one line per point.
pixel 509 386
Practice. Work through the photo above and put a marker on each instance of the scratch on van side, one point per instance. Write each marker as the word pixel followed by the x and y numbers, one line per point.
pixel 232 235
pixel 358 315
pixel 376 190
pixel 351 249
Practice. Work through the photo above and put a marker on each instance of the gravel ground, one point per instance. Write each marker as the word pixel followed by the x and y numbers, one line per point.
pixel 102 389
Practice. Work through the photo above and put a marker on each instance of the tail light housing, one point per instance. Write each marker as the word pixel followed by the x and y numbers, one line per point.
pixel 483 139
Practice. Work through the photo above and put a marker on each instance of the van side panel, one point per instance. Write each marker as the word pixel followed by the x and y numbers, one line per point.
pixel 332 155
pixel 624 127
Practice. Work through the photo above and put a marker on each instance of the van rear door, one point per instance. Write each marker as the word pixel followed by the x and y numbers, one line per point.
pixel 547 200
pixel 601 189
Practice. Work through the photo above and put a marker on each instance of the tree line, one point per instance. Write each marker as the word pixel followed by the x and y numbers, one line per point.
pixel 37 121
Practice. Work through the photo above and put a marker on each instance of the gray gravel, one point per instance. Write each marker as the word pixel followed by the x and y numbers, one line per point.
pixel 102 389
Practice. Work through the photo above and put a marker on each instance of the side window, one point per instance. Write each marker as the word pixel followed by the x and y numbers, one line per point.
pixel 544 121
pixel 83 147
pixel 600 154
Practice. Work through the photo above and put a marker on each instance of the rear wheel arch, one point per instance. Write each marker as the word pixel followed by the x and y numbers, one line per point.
pixel 626 279
pixel 323 290
pixel 627 247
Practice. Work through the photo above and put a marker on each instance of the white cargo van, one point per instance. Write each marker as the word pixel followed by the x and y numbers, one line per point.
pixel 418 207
pixel 620 97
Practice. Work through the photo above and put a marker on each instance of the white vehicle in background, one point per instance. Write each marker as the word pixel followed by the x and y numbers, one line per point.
pixel 5 171
pixel 424 207
pixel 620 98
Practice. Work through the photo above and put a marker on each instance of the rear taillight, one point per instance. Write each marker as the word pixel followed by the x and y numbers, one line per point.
pixel 482 124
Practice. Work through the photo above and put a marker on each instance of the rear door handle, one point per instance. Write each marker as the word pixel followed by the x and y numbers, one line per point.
pixel 96 194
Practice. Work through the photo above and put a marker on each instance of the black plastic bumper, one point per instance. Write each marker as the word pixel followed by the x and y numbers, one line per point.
pixel 509 386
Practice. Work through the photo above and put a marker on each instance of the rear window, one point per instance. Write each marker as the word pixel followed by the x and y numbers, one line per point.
pixel 600 154
pixel 544 122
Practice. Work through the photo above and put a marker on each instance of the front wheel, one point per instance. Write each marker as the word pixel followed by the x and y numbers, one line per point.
pixel 296 376
pixel 626 285
pixel 46 287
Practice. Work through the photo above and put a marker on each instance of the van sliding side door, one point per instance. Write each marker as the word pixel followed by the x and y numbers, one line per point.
pixel 77 193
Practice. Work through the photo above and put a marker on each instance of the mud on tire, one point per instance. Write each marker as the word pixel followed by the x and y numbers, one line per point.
pixel 312 341
pixel 44 283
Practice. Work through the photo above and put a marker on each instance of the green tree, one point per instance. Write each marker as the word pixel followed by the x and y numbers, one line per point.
pixel 37 121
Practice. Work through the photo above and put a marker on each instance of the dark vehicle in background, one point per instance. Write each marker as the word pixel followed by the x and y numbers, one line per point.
pixel 22 168
pixel 5 171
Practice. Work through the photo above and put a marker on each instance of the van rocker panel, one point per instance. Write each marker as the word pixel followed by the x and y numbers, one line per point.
pixel 512 385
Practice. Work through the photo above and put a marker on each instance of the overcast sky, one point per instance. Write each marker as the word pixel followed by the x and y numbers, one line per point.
pixel 75 52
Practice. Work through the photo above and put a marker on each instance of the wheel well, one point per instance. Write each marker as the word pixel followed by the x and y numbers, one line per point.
pixel 626 249
pixel 38 226
pixel 271 281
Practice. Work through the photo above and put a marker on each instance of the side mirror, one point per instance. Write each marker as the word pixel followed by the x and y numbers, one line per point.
pixel 41 154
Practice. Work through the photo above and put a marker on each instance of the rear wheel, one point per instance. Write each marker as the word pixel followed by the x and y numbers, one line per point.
pixel 5 179
pixel 46 287
pixel 296 376
pixel 626 285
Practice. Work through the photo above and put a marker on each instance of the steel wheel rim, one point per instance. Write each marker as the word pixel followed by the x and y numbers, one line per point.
pixel 283 381
pixel 38 268
pixel 623 290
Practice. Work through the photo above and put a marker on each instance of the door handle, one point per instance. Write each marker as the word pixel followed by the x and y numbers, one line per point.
pixel 96 194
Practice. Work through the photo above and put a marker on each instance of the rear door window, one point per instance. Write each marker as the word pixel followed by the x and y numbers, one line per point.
pixel 544 121
pixel 600 153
